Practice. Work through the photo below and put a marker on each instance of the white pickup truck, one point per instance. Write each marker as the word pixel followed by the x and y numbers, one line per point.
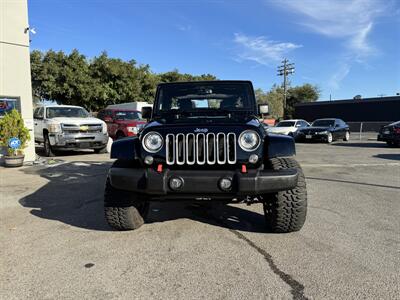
pixel 66 127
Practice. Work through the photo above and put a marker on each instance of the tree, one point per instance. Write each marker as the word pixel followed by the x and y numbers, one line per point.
pixel 274 99
pixel 300 94
pixel 297 94
pixel 174 76
pixel 98 82
pixel 75 80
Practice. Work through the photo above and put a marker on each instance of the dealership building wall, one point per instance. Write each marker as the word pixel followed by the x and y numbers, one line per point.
pixel 15 74
pixel 368 113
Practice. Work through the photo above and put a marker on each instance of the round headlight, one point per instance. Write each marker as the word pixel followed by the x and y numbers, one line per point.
pixel 249 140
pixel 152 142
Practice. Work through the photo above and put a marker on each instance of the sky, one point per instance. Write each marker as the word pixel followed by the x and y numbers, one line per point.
pixel 345 47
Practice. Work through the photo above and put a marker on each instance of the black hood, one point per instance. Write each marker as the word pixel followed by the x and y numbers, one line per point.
pixel 224 125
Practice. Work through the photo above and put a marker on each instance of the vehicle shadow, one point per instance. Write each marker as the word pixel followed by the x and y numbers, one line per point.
pixel 40 151
pixel 391 156
pixel 73 195
pixel 361 145
pixel 213 213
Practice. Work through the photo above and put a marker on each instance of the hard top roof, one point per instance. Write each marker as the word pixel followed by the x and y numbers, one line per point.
pixel 206 82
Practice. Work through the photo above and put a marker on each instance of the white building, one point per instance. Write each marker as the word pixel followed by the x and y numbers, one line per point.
pixel 15 73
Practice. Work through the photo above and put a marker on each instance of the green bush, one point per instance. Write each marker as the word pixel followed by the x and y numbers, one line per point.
pixel 12 125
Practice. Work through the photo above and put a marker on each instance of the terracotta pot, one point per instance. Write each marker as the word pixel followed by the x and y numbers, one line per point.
pixel 13 161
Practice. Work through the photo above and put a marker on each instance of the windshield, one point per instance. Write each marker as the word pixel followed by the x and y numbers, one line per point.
pixel 323 123
pixel 66 112
pixel 128 115
pixel 285 124
pixel 210 99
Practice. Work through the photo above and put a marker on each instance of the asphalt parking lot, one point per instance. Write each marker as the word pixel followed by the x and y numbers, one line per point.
pixel 55 243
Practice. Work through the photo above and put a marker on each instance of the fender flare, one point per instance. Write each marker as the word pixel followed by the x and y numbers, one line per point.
pixel 279 146
pixel 126 148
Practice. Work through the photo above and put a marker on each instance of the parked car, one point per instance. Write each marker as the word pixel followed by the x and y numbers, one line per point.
pixel 390 134
pixel 66 127
pixel 122 122
pixel 288 127
pixel 325 130
pixel 204 143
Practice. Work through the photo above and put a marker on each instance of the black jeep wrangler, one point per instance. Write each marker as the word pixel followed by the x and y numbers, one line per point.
pixel 204 142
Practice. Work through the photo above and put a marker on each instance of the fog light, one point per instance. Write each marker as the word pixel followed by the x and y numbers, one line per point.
pixel 225 184
pixel 175 183
pixel 253 158
pixel 148 160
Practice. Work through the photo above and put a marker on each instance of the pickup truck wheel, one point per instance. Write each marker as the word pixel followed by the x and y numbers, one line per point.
pixel 48 151
pixel 286 211
pixel 123 210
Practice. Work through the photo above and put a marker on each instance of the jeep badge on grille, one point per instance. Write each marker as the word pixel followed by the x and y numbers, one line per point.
pixel 202 130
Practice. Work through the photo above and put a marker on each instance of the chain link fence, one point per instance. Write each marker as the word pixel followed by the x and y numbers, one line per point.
pixel 365 130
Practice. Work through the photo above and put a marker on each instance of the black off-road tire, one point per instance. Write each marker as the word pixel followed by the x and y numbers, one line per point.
pixel 286 211
pixel 48 151
pixel 124 210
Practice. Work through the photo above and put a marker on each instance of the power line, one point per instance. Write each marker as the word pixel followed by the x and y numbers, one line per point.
pixel 284 70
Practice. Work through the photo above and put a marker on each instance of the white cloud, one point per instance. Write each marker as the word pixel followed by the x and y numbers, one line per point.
pixel 339 75
pixel 184 27
pixel 349 20
pixel 261 50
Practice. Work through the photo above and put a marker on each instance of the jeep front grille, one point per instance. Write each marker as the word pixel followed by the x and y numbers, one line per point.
pixel 201 148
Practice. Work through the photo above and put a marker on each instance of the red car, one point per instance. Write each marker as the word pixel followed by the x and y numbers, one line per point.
pixel 121 122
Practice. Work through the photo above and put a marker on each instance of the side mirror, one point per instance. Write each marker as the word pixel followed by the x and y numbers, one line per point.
pixel 147 112
pixel 108 119
pixel 263 109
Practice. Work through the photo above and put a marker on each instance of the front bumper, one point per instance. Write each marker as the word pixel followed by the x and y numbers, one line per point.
pixel 78 141
pixel 311 137
pixel 388 138
pixel 202 184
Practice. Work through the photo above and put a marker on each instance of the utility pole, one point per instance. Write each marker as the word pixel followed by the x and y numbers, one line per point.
pixel 284 70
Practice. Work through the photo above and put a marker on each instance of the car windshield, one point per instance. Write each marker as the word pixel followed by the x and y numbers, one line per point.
pixel 66 112
pixel 285 124
pixel 193 100
pixel 128 115
pixel 324 123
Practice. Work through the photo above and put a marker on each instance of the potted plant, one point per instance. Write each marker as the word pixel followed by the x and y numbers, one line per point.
pixel 13 136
